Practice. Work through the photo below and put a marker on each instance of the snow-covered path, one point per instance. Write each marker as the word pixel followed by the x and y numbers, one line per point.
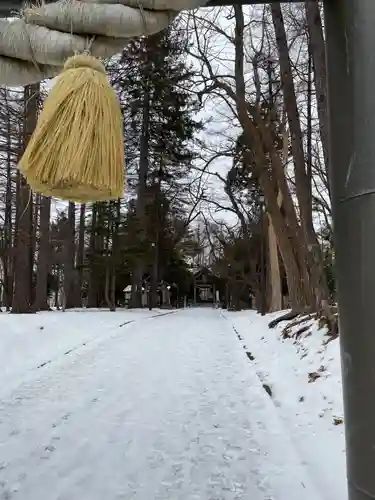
pixel 157 409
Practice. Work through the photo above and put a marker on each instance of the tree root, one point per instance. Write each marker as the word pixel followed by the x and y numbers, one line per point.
pixel 328 318
pixel 287 331
pixel 285 317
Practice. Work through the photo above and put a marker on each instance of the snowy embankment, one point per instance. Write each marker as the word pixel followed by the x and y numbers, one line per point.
pixel 299 367
pixel 31 341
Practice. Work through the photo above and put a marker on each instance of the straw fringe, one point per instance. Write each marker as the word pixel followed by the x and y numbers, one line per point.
pixel 77 149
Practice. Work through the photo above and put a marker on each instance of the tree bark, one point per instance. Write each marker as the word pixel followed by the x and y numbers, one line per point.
pixel 93 294
pixel 43 264
pixel 302 179
pixel 69 259
pixel 23 265
pixel 109 259
pixel 318 54
pixel 260 141
pixel 81 250
pixel 300 294
pixel 136 297
pixel 115 251
pixel 274 274
pixel 8 226
pixel 23 256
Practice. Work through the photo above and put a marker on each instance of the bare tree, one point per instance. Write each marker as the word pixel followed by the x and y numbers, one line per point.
pixel 23 268
pixel 44 256
pixel 262 149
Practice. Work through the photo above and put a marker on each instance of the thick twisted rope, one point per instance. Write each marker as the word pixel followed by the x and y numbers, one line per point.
pixel 35 46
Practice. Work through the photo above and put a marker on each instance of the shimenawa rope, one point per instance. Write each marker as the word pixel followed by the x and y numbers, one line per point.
pixel 77 149
pixel 49 34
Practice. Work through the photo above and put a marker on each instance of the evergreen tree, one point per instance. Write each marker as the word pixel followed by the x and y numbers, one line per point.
pixel 154 82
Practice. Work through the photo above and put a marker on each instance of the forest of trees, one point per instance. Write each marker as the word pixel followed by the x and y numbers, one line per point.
pixel 226 148
pixel 263 70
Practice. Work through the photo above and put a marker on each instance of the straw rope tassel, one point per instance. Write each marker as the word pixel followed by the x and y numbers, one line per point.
pixel 76 152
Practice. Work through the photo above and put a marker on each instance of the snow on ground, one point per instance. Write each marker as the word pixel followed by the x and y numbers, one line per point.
pixel 303 375
pixel 155 409
pixel 29 342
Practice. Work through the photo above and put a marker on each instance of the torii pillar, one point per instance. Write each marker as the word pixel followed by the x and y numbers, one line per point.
pixel 350 36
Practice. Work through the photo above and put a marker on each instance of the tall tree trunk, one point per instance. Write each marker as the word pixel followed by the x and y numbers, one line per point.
pixel 69 259
pixel 93 293
pixel 81 250
pixel 303 182
pixel 301 178
pixel 23 265
pixel 260 141
pixel 298 282
pixel 109 259
pixel 44 257
pixel 136 297
pixel 100 246
pixel 107 289
pixel 34 234
pixel 23 256
pixel 58 287
pixel 155 249
pixel 275 303
pixel 8 254
pixel 275 297
pixel 318 54
pixel 115 251
pixel 8 261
